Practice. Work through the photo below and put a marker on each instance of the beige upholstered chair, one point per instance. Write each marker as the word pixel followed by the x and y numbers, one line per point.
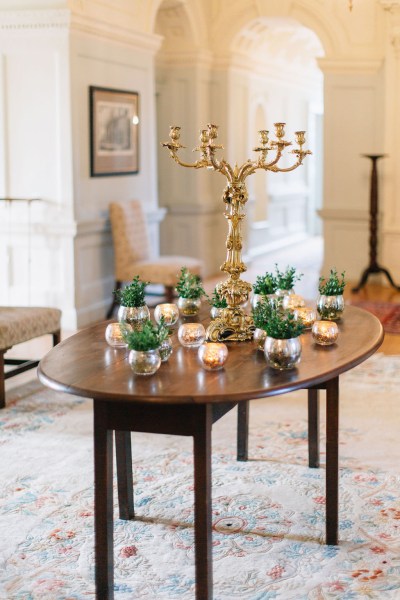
pixel 132 254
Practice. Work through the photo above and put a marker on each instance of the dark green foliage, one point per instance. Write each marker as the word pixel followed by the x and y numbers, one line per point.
pixel 333 286
pixel 149 337
pixel 189 285
pixel 262 313
pixel 265 284
pixel 217 300
pixel 132 294
pixel 285 280
pixel 282 326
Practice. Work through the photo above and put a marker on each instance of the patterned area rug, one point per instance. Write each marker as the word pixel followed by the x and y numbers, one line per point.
pixel 387 312
pixel 268 513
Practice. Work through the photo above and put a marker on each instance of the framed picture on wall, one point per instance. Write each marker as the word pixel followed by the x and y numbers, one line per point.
pixel 114 132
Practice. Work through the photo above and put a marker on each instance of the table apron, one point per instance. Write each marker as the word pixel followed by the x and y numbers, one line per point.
pixel 172 419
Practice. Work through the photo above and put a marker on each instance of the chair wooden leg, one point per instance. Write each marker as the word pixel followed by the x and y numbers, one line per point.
pixel 169 293
pixel 2 381
pixel 56 337
pixel 118 285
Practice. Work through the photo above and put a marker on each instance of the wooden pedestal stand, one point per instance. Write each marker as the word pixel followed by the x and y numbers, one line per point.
pixel 373 266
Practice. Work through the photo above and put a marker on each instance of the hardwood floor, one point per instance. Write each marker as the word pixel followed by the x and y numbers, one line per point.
pixel 306 257
pixel 378 293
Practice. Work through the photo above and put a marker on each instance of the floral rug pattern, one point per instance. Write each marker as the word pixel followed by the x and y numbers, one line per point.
pixel 268 513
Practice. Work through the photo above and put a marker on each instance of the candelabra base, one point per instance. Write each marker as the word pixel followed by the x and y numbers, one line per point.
pixel 233 325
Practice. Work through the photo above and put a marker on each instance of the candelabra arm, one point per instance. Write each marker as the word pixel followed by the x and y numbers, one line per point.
pixel 199 164
pixel 219 165
pixel 276 169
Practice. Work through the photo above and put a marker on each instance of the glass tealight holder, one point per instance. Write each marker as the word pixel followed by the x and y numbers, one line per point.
pixel 114 336
pixel 191 334
pixel 292 301
pixel 306 315
pixel 325 333
pixel 213 355
pixel 170 312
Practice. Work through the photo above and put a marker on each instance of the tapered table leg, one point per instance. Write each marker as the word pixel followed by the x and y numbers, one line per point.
pixel 332 461
pixel 202 503
pixel 313 428
pixel 123 455
pixel 243 431
pixel 103 504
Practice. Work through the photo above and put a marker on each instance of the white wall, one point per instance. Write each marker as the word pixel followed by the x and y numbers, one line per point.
pixel 58 251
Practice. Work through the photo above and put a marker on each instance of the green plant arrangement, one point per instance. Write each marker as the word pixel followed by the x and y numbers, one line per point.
pixel 285 280
pixel 217 300
pixel 189 285
pixel 133 295
pixel 149 337
pixel 261 313
pixel 333 285
pixel 282 326
pixel 265 284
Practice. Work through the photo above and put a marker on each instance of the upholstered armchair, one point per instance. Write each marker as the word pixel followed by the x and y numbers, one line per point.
pixel 132 252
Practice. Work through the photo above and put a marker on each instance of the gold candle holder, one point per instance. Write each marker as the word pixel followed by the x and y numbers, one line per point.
pixel 213 355
pixel 234 324
pixel 325 333
pixel 305 315
pixel 170 312
pixel 113 335
pixel 191 334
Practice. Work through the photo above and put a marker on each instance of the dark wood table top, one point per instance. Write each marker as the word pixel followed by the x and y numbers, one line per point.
pixel 85 365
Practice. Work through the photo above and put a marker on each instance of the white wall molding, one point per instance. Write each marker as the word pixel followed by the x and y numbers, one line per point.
pixel 332 214
pixel 343 66
pixel 34 20
pixel 117 34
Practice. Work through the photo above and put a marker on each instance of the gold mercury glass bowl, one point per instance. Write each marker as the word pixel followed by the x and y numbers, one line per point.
pixel 213 355
pixel 305 315
pixel 325 333
pixel 191 334
pixel 170 312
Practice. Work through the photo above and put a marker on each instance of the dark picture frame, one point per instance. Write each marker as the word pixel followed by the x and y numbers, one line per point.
pixel 114 132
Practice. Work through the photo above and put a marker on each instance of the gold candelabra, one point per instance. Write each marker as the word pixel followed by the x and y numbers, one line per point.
pixel 234 324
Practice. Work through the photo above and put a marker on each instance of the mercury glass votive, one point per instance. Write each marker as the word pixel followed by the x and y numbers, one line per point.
pixel 213 355
pixel 170 312
pixel 191 334
pixel 325 333
pixel 113 335
pixel 292 301
pixel 306 315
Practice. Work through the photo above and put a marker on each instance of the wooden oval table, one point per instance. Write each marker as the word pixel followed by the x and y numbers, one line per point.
pixel 184 399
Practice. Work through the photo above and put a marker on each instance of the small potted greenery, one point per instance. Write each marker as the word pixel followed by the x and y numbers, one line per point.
pixel 261 314
pixel 265 286
pixel 282 347
pixel 133 308
pixel 285 280
pixel 330 304
pixel 144 357
pixel 218 303
pixel 190 291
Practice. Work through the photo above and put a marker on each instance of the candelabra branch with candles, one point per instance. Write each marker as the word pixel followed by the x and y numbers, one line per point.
pixel 234 324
